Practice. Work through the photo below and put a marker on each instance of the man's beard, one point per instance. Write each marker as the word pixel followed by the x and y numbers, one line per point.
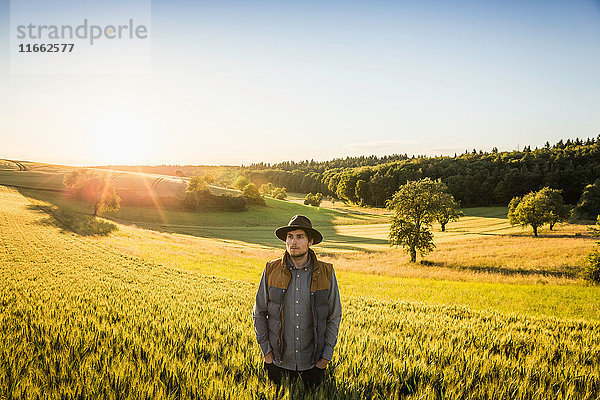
pixel 299 255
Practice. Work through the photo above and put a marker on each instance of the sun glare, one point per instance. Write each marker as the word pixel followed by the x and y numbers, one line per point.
pixel 119 136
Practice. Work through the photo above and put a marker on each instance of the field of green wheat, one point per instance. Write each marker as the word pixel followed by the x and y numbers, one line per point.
pixel 82 319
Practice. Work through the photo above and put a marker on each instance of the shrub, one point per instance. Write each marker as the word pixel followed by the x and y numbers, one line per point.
pixel 241 182
pixel 279 194
pixel 208 178
pixel 197 183
pixel 313 199
pixel 205 201
pixel 591 269
pixel 267 189
pixel 252 195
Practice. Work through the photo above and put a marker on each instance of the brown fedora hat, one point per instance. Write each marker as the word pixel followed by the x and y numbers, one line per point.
pixel 299 222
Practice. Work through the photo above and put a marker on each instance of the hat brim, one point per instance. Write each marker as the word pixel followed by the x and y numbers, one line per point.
pixel 282 232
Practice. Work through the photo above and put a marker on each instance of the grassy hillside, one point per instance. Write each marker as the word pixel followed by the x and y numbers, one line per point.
pixel 253 226
pixel 82 319
pixel 26 174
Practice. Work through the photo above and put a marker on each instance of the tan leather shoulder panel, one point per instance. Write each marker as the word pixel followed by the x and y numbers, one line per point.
pixel 277 275
pixel 321 276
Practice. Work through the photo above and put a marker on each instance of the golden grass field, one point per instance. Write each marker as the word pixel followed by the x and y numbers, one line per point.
pixel 160 307
pixel 142 314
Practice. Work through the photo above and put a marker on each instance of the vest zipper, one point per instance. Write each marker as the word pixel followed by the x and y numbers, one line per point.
pixel 281 346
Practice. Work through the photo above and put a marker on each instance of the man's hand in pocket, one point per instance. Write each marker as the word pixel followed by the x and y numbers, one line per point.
pixel 269 358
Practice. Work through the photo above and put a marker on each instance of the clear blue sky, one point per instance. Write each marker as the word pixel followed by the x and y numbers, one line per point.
pixel 249 81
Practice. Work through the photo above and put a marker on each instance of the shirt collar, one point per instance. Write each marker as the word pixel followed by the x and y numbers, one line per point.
pixel 308 265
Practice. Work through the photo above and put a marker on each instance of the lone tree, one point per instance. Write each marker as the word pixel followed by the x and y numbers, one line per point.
pixel 589 203
pixel 416 206
pixel 557 210
pixel 95 189
pixel 449 210
pixel 538 208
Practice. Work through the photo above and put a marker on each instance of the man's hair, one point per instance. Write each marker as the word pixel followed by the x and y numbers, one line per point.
pixel 308 234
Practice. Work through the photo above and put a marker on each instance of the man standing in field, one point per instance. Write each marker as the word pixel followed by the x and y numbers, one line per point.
pixel 297 311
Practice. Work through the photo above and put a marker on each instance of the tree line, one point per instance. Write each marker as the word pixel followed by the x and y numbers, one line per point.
pixel 475 178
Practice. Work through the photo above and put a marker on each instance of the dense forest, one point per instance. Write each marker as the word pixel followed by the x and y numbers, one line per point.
pixel 476 178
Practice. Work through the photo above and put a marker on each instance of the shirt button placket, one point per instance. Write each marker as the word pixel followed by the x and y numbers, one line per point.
pixel 297 326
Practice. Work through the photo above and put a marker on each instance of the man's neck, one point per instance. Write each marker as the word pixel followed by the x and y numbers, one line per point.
pixel 299 262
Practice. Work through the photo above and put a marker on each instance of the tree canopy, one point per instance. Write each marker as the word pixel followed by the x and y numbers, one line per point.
pixel 536 209
pixel 556 209
pixel 589 203
pixel 197 183
pixel 475 178
pixel 241 182
pixel 252 195
pixel 313 199
pixel 95 189
pixel 416 206
pixel 199 198
pixel 449 210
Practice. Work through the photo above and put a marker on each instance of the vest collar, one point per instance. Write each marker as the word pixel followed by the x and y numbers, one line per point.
pixel 311 254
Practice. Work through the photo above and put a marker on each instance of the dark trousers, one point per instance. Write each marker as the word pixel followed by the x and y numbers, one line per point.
pixel 312 377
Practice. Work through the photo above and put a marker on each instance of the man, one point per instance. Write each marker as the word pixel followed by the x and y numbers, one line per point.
pixel 297 311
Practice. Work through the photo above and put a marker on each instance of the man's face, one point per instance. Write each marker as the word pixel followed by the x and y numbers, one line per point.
pixel 297 243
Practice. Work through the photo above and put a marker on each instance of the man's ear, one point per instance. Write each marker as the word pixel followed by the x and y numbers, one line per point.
pixel 310 242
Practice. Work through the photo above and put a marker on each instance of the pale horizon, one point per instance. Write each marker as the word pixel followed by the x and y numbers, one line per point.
pixel 172 163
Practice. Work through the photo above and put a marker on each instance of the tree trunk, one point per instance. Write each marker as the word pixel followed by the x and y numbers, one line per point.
pixel 443 227
pixel 535 231
pixel 413 248
pixel 552 225
pixel 96 206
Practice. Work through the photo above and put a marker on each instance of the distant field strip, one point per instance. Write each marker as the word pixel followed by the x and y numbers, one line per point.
pixel 468 226
pixel 82 320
